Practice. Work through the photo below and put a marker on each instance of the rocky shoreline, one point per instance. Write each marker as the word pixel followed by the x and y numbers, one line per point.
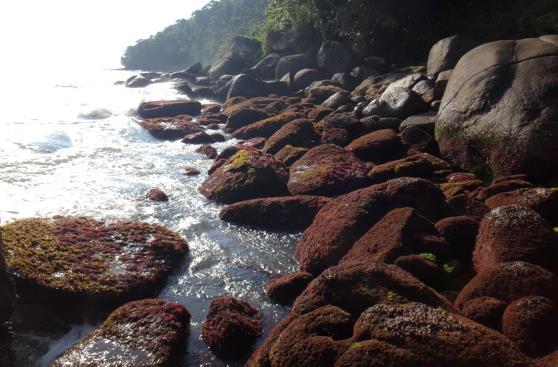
pixel 426 197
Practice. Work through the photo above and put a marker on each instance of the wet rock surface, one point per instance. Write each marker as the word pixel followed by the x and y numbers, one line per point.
pixel 89 261
pixel 158 109
pixel 141 333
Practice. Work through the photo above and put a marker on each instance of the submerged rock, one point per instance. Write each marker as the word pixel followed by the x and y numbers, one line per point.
pixel 139 334
pixel 157 109
pixel 282 213
pixel 248 174
pixel 71 261
pixel 170 128
pixel 208 151
pixel 231 327
pixel 157 195
pixel 327 170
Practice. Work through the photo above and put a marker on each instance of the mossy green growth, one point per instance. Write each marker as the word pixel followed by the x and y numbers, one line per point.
pixel 440 309
pixel 556 229
pixel 241 161
pixel 391 296
pixel 429 256
pixel 448 268
pixel 356 346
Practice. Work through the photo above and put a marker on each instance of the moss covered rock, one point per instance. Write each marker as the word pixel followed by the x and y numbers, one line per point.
pixel 248 174
pixel 82 260
pixel 139 334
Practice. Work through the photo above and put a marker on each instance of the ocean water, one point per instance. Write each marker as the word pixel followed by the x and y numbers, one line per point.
pixel 70 145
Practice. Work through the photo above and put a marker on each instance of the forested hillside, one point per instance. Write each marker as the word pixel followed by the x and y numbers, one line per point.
pixel 402 31
pixel 201 38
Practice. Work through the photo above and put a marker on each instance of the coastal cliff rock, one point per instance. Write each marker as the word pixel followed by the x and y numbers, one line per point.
pixel 74 261
pixel 139 334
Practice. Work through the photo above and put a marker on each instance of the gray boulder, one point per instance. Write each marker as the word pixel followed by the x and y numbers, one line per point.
pixel 293 64
pixel 247 86
pixel 335 57
pixel 499 111
pixel 305 77
pixel 265 68
pixel 445 54
pixel 231 63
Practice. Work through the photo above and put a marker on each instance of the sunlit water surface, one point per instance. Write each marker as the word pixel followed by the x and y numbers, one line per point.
pixel 69 145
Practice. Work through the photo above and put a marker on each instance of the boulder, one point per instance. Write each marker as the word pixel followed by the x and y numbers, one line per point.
pixel 247 86
pixel 509 282
pixel 550 360
pixel 246 175
pixel 289 154
pixel 157 195
pixel 298 133
pixel 139 334
pixel 445 54
pixel 202 138
pixel 89 262
pixel 372 88
pixel 231 327
pixel 398 102
pixel 320 93
pixel 157 109
pixel 438 337
pixel 425 121
pixel 191 171
pixel 244 117
pixel 461 233
pixel 379 147
pixel 340 223
pixel 245 45
pixel 487 311
pixel 366 353
pixel 138 81
pixel 266 127
pixel 515 233
pixel 543 201
pixel 364 72
pixel 231 63
pixel 531 322
pixel 208 151
pixel 285 289
pixel 170 128
pixel 417 140
pixel 425 270
pixel 441 84
pixel 356 286
pixel 305 77
pixel 194 69
pixel 414 166
pixel 504 186
pixel 265 68
pixel 292 64
pixel 283 213
pixel 327 170
pixel 393 236
pixel 335 57
pixel 337 100
pixel 345 80
pixel 497 114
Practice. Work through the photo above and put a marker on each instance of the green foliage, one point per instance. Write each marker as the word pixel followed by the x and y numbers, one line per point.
pixel 202 38
pixel 391 296
pixel 429 256
pixel 448 268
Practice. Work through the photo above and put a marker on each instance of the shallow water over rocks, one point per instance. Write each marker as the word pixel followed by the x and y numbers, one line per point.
pixel 79 151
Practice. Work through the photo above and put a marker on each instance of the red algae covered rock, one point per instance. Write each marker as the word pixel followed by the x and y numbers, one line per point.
pixel 542 200
pixel 281 213
pixel 376 353
pixel 298 133
pixel 487 311
pixel 515 233
pixel 327 170
pixel 248 174
pixel 289 154
pixel 461 233
pixel 170 128
pixel 208 151
pixel 75 260
pixel 266 127
pixel 356 286
pixel 231 327
pixel 413 166
pixel 285 289
pixel 139 334
pixel 243 117
pixel 343 221
pixel 379 146
pixel 157 195
pixel 530 323
pixel 509 282
pixel 156 109
pixel 501 187
pixel 315 339
pixel 7 297
pixel 438 337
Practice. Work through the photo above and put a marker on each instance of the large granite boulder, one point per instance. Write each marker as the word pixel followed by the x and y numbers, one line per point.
pixel 292 64
pixel 327 170
pixel 344 220
pixel 139 334
pixel 248 174
pixel 247 86
pixel 498 112
pixel 69 261
pixel 230 64
pixel 445 54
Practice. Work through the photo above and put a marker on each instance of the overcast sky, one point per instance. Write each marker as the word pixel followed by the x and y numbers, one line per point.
pixel 54 33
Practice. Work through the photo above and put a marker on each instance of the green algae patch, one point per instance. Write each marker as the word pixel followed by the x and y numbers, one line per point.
pixel 92 260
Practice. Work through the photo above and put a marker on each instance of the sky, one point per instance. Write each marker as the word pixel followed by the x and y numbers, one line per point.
pixel 45 34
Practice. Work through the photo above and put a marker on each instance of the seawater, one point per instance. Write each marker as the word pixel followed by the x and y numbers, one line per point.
pixel 70 145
